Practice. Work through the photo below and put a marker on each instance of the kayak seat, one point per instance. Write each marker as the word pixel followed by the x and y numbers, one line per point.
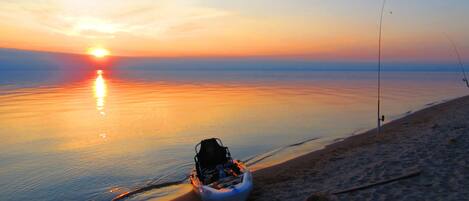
pixel 210 155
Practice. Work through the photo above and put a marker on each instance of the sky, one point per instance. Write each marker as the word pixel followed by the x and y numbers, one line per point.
pixel 313 29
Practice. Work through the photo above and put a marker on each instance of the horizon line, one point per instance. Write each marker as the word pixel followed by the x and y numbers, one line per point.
pixel 291 57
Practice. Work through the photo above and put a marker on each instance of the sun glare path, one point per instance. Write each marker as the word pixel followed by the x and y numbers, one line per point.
pixel 98 52
pixel 100 91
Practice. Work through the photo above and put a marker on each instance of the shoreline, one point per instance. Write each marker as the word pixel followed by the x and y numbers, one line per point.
pixel 406 145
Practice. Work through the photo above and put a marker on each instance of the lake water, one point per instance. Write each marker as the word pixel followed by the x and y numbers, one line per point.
pixel 94 134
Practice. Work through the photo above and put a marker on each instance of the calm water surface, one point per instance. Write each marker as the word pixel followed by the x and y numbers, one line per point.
pixel 92 135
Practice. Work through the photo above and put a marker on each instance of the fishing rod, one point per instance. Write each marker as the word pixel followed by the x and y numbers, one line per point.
pixel 455 48
pixel 380 118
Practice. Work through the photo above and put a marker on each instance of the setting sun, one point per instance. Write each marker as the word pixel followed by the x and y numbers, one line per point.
pixel 98 52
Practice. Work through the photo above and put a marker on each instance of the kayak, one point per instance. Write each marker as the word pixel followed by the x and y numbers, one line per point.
pixel 216 176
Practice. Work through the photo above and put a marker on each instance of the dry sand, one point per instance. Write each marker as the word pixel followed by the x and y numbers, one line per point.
pixel 432 143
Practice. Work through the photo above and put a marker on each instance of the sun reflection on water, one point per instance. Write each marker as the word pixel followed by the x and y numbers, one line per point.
pixel 100 91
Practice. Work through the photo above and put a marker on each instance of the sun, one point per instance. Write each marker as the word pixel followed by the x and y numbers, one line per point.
pixel 98 52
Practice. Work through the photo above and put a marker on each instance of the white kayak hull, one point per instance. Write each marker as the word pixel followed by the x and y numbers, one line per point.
pixel 238 192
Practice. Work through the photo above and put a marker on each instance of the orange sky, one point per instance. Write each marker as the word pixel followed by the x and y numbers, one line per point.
pixel 320 29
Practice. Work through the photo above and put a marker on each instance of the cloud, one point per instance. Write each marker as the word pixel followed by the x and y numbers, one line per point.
pixel 97 19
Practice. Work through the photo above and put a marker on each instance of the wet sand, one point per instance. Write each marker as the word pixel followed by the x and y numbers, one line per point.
pixel 423 156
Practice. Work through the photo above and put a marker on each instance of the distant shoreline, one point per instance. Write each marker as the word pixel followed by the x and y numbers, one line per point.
pixel 430 142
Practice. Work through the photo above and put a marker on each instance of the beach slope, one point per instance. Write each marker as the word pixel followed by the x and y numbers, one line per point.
pixel 424 156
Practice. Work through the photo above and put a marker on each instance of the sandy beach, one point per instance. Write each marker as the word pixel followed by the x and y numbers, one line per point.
pixel 422 156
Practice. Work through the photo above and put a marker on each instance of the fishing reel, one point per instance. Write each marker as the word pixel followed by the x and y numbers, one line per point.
pixel 466 81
